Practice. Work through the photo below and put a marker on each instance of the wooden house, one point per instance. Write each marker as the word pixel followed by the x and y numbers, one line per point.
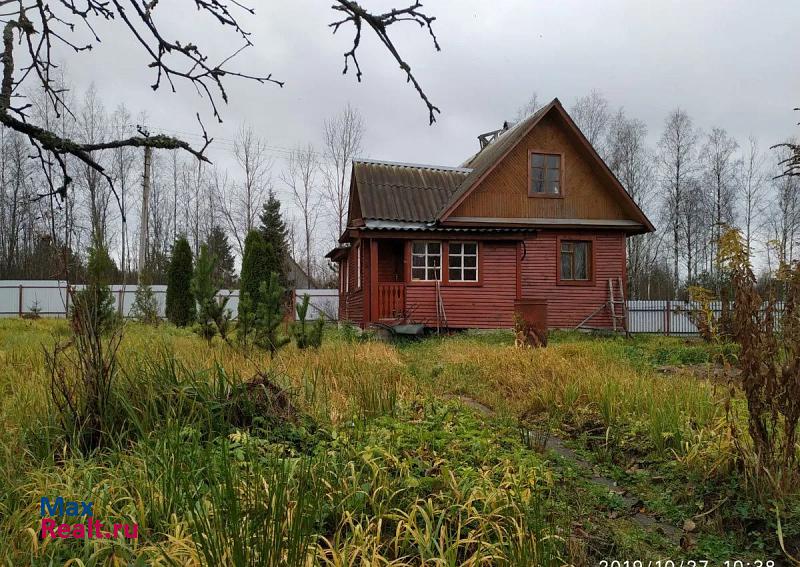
pixel 535 214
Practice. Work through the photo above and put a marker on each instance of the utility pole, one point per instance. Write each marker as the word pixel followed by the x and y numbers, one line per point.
pixel 148 153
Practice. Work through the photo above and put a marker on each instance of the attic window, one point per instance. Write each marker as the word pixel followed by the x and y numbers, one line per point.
pixel 545 175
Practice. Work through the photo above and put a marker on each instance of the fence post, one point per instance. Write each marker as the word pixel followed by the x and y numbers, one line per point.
pixel 668 316
pixel 20 299
pixel 66 302
pixel 119 302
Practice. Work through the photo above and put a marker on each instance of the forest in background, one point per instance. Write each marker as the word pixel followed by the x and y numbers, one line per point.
pixel 694 181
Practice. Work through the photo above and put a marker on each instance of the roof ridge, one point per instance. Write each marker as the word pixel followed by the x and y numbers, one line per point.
pixel 416 165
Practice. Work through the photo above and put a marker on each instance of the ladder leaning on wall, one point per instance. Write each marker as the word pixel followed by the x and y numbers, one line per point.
pixel 616 306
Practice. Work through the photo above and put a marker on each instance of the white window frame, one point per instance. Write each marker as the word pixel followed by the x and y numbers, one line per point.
pixel 426 255
pixel 461 255
pixel 358 266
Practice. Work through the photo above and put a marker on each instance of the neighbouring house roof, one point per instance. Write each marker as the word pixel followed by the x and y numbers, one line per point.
pixel 297 276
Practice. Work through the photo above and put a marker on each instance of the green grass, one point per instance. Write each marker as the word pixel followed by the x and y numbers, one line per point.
pixel 383 466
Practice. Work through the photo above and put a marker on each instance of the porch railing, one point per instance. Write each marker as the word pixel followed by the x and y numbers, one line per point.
pixel 391 300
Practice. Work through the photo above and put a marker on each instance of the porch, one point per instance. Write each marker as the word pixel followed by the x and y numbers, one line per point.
pixel 391 287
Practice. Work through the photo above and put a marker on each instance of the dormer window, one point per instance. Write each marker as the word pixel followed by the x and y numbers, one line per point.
pixel 545 175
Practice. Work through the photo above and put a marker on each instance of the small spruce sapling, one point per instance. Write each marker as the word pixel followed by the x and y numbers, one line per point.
pixel 145 306
pixel 269 316
pixel 307 334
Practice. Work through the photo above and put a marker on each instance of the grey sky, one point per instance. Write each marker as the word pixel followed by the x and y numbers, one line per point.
pixel 728 63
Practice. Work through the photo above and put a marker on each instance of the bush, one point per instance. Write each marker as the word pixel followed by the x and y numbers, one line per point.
pixel 180 301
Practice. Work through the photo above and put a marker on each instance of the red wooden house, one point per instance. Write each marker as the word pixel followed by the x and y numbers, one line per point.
pixel 535 213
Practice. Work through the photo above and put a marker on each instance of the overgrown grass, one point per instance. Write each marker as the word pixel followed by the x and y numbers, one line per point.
pixel 381 468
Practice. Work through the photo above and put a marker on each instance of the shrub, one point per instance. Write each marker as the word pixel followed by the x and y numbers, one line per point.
pixel 307 334
pixel 770 362
pixel 180 301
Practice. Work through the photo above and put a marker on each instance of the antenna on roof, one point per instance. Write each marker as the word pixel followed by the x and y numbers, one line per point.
pixel 489 137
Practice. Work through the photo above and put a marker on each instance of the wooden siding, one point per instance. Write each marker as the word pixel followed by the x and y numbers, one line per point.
pixel 488 306
pixel 503 193
pixel 568 305
pixel 351 304
pixel 390 261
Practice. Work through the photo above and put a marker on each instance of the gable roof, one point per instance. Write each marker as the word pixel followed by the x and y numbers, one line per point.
pixel 402 191
pixel 486 160
pixel 415 193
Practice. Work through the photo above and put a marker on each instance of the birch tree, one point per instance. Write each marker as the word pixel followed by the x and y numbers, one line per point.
pixel 751 185
pixel 245 196
pixel 676 159
pixel 342 136
pixel 591 114
pixel 720 171
pixel 301 178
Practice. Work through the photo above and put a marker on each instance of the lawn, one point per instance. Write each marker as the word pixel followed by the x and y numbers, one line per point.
pixel 459 450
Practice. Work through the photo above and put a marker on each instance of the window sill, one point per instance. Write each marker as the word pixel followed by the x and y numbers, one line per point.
pixel 578 283
pixel 545 196
pixel 444 284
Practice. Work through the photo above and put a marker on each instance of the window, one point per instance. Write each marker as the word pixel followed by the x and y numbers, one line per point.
pixel 462 262
pixel 576 260
pixel 426 261
pixel 358 266
pixel 346 275
pixel 545 174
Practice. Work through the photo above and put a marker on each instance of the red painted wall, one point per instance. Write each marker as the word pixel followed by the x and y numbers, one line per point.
pixel 351 305
pixel 568 305
pixel 488 306
pixel 491 304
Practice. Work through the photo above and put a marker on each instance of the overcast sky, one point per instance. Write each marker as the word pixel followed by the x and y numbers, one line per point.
pixel 728 63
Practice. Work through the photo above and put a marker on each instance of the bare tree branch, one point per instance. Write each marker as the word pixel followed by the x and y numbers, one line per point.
pixel 380 23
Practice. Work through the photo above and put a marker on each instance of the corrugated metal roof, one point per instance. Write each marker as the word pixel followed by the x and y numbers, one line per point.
pixel 424 226
pixel 404 192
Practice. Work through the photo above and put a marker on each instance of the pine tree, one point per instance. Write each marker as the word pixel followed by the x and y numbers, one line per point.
pixel 180 301
pixel 269 316
pixel 220 248
pixel 212 316
pixel 273 229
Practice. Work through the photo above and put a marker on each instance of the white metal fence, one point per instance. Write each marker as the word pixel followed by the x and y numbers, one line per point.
pixel 50 297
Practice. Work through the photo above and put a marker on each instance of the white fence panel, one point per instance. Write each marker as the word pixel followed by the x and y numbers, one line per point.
pixel 321 302
pixel 20 296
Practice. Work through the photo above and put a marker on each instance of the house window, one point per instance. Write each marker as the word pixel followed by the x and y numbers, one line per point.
pixel 462 262
pixel 545 174
pixel 576 260
pixel 358 266
pixel 426 261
